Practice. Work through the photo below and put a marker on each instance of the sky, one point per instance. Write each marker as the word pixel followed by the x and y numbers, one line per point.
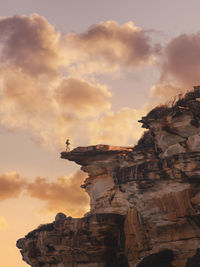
pixel 85 70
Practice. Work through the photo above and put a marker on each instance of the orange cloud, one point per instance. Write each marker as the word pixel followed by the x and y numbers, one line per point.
pixel 125 45
pixel 165 92
pixel 117 128
pixel 3 223
pixel 64 194
pixel 51 115
pixel 82 97
pixel 11 185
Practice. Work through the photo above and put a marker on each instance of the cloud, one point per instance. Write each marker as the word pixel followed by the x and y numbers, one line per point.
pixel 64 194
pixel 34 46
pixel 183 58
pixel 36 95
pixel 51 115
pixel 3 223
pixel 82 97
pixel 117 128
pixel 165 92
pixel 125 45
pixel 30 44
pixel 11 185
pixel 180 66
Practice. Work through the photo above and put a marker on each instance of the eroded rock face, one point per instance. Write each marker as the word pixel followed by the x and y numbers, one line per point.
pixel 97 239
pixel 194 261
pixel 144 200
pixel 160 259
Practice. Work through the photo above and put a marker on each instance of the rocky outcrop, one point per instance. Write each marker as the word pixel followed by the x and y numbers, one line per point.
pixel 144 200
pixel 95 240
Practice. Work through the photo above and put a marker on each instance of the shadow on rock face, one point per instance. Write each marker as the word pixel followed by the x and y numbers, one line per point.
pixel 194 261
pixel 160 259
pixel 121 261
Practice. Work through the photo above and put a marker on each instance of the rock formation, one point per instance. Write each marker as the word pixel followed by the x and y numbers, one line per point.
pixel 144 200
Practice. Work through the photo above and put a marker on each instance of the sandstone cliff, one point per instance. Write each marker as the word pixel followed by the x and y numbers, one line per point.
pixel 145 200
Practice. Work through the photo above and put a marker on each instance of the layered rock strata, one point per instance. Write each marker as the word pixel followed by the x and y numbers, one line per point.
pixel 144 200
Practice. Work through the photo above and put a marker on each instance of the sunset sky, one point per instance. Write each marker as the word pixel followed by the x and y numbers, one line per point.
pixel 86 70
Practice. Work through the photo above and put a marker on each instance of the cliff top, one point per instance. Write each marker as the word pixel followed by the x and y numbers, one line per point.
pixel 188 103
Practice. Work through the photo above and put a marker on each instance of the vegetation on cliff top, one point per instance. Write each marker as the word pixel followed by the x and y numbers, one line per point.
pixel 189 102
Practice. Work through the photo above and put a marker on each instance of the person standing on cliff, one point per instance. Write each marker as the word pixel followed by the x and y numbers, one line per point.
pixel 67 145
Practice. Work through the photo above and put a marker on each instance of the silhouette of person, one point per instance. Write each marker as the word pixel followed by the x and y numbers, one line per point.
pixel 67 145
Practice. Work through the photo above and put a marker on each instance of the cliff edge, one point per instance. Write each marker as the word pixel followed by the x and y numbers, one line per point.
pixel 144 200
